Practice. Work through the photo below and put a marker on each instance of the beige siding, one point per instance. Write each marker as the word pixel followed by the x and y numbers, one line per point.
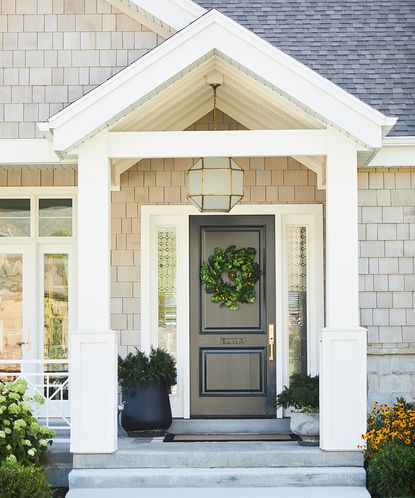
pixel 387 281
pixel 67 177
pixel 54 51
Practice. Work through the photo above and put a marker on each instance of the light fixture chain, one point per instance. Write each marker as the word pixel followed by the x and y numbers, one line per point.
pixel 214 87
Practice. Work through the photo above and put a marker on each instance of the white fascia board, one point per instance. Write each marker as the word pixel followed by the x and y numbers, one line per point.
pixel 27 151
pixel 216 32
pixel 133 10
pixel 242 143
pixel 176 13
pixel 396 152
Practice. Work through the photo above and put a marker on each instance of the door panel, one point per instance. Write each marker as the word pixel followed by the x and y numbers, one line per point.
pixel 231 373
pixel 17 311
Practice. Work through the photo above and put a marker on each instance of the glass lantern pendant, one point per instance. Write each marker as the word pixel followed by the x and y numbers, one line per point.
pixel 215 183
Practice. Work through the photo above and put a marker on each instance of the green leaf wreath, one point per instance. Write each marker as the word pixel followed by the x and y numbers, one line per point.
pixel 241 270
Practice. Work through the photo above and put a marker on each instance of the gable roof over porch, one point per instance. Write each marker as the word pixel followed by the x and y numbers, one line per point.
pixel 214 35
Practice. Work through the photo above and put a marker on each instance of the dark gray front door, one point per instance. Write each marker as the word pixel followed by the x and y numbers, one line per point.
pixel 232 369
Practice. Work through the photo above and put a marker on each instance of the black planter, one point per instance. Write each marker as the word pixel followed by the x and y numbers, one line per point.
pixel 146 409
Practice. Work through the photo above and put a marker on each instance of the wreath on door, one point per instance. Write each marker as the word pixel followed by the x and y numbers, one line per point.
pixel 230 275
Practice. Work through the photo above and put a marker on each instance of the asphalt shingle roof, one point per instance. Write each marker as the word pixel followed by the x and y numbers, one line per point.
pixel 367 47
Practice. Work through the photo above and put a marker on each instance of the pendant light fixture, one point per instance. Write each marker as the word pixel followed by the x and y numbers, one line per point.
pixel 215 183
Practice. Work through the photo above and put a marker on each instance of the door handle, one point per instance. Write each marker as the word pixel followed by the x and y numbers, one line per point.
pixel 271 341
pixel 26 341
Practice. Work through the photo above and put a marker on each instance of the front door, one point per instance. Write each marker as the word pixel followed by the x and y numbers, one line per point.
pixel 232 363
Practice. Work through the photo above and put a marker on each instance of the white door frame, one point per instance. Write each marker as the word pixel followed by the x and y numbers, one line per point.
pixel 309 215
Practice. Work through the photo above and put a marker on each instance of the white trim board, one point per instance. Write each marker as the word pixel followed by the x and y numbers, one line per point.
pixel 309 215
pixel 176 13
pixel 133 9
pixel 242 143
pixel 216 33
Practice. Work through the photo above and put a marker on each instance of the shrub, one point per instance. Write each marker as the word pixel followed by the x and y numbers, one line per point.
pixel 389 425
pixel 21 436
pixel 138 368
pixel 302 394
pixel 18 481
pixel 391 472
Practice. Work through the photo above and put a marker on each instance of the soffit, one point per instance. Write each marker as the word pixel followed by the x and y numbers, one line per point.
pixel 243 98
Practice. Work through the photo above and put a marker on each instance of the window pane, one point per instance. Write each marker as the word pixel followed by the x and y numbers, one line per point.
pixel 167 334
pixel 297 299
pixel 55 217
pixel 56 306
pixel 11 308
pixel 14 217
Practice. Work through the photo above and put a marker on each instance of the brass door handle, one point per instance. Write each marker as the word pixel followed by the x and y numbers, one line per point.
pixel 271 341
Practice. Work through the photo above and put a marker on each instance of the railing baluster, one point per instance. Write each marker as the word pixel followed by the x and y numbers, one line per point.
pixel 50 385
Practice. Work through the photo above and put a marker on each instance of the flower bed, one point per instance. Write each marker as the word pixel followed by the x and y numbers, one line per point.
pixel 389 450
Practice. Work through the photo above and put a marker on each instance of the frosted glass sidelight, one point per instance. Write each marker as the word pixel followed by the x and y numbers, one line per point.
pixel 297 298
pixel 167 337
pixel 167 299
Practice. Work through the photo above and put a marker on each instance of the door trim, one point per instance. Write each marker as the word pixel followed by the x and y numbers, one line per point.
pixel 309 215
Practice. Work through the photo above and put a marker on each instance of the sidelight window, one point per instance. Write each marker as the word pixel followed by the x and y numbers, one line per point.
pixel 297 298
pixel 167 333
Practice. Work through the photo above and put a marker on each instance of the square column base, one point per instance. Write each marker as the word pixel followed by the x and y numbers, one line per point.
pixel 93 386
pixel 343 380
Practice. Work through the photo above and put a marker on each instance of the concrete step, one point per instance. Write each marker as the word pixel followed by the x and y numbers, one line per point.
pixel 216 455
pixel 280 492
pixel 214 478
pixel 59 464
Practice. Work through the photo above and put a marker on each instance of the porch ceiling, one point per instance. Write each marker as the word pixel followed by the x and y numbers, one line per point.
pixel 250 102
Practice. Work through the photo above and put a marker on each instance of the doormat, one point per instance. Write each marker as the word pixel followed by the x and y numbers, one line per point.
pixel 218 438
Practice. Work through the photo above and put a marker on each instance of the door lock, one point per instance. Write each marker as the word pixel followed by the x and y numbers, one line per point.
pixel 271 341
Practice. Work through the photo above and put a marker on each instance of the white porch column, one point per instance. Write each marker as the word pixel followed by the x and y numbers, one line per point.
pixel 93 350
pixel 343 341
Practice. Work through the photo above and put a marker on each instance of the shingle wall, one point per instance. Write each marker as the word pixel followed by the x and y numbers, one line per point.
pixel 387 280
pixel 54 51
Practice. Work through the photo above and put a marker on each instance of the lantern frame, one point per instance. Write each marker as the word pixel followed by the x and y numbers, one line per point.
pixel 230 167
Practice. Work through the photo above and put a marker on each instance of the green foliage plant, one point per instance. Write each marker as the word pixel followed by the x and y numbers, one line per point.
pixel 302 395
pixel 19 481
pixel 138 368
pixel 391 472
pixel 21 436
pixel 243 273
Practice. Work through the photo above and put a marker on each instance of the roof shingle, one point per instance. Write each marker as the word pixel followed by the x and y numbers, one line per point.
pixel 367 47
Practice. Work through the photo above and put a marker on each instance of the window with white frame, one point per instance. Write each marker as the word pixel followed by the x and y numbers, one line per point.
pixel 50 217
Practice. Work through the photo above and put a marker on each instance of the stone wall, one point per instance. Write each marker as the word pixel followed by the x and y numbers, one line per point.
pixel 387 280
pixel 54 51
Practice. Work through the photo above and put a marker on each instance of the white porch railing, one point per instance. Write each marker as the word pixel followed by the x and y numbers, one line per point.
pixel 49 379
